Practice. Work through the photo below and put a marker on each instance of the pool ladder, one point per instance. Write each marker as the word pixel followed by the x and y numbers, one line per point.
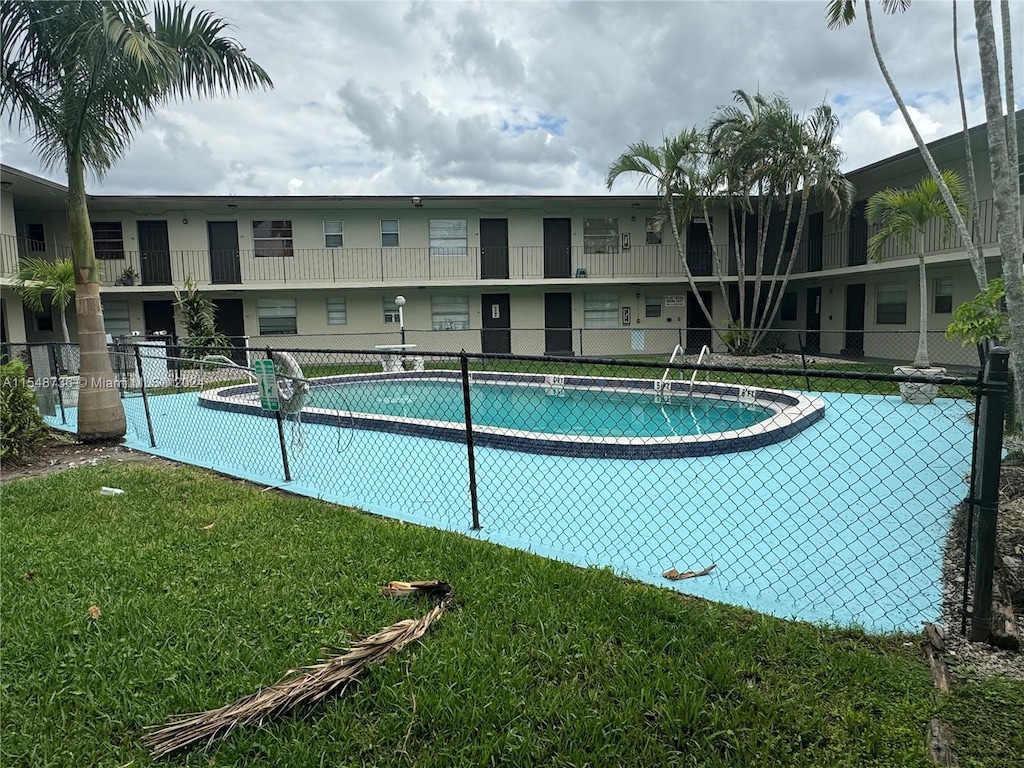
pixel 663 386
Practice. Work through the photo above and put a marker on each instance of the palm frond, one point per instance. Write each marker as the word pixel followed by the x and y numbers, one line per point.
pixel 304 687
pixel 39 277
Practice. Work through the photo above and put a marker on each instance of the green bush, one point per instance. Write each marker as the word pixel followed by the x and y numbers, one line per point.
pixel 21 425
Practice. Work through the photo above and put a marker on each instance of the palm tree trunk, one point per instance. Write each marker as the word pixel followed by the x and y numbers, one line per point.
pixel 716 263
pixel 1004 190
pixel 686 267
pixel 100 415
pixel 972 179
pixel 774 309
pixel 921 359
pixel 975 256
pixel 1011 109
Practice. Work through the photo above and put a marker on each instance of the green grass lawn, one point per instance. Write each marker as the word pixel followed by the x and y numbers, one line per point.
pixel 539 663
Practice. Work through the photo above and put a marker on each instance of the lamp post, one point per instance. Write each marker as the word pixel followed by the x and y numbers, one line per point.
pixel 400 303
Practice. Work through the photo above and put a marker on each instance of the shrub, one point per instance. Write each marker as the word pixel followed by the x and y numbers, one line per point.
pixel 21 425
pixel 201 335
pixel 737 339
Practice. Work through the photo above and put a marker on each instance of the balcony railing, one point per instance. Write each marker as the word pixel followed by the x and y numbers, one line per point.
pixel 848 248
pixel 361 266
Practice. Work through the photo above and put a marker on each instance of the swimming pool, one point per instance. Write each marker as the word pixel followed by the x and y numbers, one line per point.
pixel 581 416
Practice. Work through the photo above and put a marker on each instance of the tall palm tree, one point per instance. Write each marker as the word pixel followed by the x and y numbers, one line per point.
pixel 82 75
pixel 775 159
pixel 903 215
pixel 675 172
pixel 38 278
pixel 841 13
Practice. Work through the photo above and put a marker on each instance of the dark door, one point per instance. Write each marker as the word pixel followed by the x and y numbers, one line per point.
pixel 224 266
pixel 698 328
pixel 557 248
pixel 558 324
pixel 495 336
pixel 854 320
pixel 698 248
pixel 494 249
pixel 812 344
pixel 858 242
pixel 815 241
pixel 154 253
pixel 159 317
pixel 230 320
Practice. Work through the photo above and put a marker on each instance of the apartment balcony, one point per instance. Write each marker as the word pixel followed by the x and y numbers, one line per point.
pixel 849 247
pixel 384 266
pixel 535 264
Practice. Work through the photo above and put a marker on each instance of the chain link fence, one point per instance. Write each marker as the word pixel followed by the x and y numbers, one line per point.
pixel 808 489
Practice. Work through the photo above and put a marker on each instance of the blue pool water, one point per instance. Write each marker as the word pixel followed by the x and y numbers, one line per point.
pixel 599 413
pixel 843 523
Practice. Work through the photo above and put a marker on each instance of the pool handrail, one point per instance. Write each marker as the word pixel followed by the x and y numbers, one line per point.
pixel 705 350
pixel 224 359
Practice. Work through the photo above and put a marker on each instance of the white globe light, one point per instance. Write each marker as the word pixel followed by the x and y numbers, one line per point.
pixel 399 301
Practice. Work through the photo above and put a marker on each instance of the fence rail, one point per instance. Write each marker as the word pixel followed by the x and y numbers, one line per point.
pixel 796 490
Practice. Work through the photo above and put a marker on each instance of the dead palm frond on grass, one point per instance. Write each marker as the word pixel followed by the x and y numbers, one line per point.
pixel 304 687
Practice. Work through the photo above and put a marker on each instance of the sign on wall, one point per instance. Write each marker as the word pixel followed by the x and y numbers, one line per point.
pixel 625 316
pixel 675 301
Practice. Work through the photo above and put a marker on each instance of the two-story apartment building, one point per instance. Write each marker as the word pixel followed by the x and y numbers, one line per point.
pixel 526 274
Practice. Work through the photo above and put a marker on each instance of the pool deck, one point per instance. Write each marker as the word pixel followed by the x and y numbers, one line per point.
pixel 844 523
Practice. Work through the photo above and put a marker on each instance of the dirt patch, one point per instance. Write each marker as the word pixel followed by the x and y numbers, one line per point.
pixel 973 660
pixel 58 453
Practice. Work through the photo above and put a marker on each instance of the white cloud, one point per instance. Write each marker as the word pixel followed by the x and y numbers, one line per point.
pixel 505 98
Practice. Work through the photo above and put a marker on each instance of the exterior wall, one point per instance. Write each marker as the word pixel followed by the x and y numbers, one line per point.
pixel 7 223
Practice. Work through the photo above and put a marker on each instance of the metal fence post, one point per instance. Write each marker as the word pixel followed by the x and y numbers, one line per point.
pixel 470 457
pixel 280 435
pixel 145 399
pixel 989 448
pixel 56 378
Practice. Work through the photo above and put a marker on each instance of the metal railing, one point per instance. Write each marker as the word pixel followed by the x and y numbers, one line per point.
pixel 374 265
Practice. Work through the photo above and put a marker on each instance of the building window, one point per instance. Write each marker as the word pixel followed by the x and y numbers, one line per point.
pixel 333 233
pixel 600 235
pixel 601 310
pixel 787 312
pixel 449 313
pixel 277 317
pixel 272 238
pixel 391 314
pixel 652 305
pixel 653 233
pixel 943 295
pixel 389 233
pixel 891 305
pixel 337 310
pixel 448 237
pixel 108 240
pixel 116 319
pixel 35 237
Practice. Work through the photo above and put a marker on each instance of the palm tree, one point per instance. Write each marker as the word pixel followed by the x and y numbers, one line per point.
pixel 675 172
pixel 775 159
pixel 82 75
pixel 38 278
pixel 841 13
pixel 903 215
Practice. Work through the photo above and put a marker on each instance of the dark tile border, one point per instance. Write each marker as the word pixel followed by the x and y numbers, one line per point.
pixel 568 445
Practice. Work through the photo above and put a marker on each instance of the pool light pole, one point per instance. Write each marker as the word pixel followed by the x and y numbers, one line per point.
pixel 400 303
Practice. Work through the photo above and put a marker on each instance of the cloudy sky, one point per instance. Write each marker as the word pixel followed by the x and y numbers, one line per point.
pixel 525 97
